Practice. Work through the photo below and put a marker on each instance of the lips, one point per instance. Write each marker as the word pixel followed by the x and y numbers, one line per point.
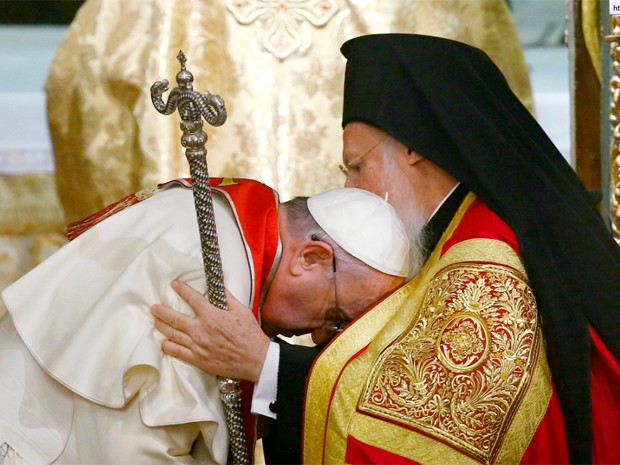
pixel 295 332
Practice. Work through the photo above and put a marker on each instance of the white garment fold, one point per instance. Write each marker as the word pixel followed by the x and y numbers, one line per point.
pixel 84 316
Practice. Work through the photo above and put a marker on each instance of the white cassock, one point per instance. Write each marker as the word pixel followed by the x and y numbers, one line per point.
pixel 82 375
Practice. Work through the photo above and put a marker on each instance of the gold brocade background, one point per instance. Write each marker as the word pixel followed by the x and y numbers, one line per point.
pixel 277 65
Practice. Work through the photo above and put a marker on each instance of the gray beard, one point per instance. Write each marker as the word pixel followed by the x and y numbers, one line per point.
pixel 414 223
pixel 413 219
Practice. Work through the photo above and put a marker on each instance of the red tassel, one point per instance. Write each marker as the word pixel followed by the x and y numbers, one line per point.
pixel 75 229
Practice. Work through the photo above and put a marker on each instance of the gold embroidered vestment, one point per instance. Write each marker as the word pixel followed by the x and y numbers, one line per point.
pixel 449 369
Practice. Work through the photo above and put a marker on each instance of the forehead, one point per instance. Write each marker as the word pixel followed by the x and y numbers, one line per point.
pixel 358 134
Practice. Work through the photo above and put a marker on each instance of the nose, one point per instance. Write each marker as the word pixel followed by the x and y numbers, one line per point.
pixel 322 335
pixel 350 182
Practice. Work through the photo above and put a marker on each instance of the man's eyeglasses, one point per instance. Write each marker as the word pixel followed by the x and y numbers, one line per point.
pixel 337 325
pixel 334 325
pixel 346 167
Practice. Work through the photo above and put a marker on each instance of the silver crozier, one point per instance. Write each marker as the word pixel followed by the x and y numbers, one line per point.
pixel 192 107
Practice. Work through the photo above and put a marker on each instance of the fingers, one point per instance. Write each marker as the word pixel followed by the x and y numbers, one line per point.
pixel 228 344
pixel 171 317
pixel 235 306
pixel 199 303
pixel 179 351
pixel 173 334
pixel 230 297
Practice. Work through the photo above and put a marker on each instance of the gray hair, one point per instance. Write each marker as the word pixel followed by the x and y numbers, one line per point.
pixel 302 225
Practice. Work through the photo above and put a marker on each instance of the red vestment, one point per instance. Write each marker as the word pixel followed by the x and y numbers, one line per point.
pixel 452 367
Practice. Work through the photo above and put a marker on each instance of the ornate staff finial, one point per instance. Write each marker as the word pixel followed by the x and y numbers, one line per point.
pixel 194 106
pixel 184 77
pixel 182 59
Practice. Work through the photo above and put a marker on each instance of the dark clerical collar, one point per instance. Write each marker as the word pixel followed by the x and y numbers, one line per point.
pixel 441 219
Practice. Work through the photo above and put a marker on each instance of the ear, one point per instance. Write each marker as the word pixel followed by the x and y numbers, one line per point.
pixel 413 157
pixel 311 255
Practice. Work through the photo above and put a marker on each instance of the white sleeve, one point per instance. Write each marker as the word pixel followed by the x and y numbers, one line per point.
pixel 266 390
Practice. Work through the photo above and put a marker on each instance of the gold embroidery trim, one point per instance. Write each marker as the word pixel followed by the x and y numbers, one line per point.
pixel 322 433
pixel 459 373
pixel 357 335
pixel 329 420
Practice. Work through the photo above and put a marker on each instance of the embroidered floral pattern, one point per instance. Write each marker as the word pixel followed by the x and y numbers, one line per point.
pixel 459 373
pixel 463 343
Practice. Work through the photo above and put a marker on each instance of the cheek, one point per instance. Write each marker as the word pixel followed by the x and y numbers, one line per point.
pixel 310 315
pixel 374 178
pixel 303 315
pixel 373 181
pixel 271 314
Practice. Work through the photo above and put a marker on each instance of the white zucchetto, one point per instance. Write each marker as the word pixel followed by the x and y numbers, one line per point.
pixel 365 225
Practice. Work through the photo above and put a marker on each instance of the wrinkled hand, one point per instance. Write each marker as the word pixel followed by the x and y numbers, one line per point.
pixel 225 343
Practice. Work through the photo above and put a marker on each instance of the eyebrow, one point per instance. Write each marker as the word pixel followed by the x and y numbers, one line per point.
pixel 349 164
